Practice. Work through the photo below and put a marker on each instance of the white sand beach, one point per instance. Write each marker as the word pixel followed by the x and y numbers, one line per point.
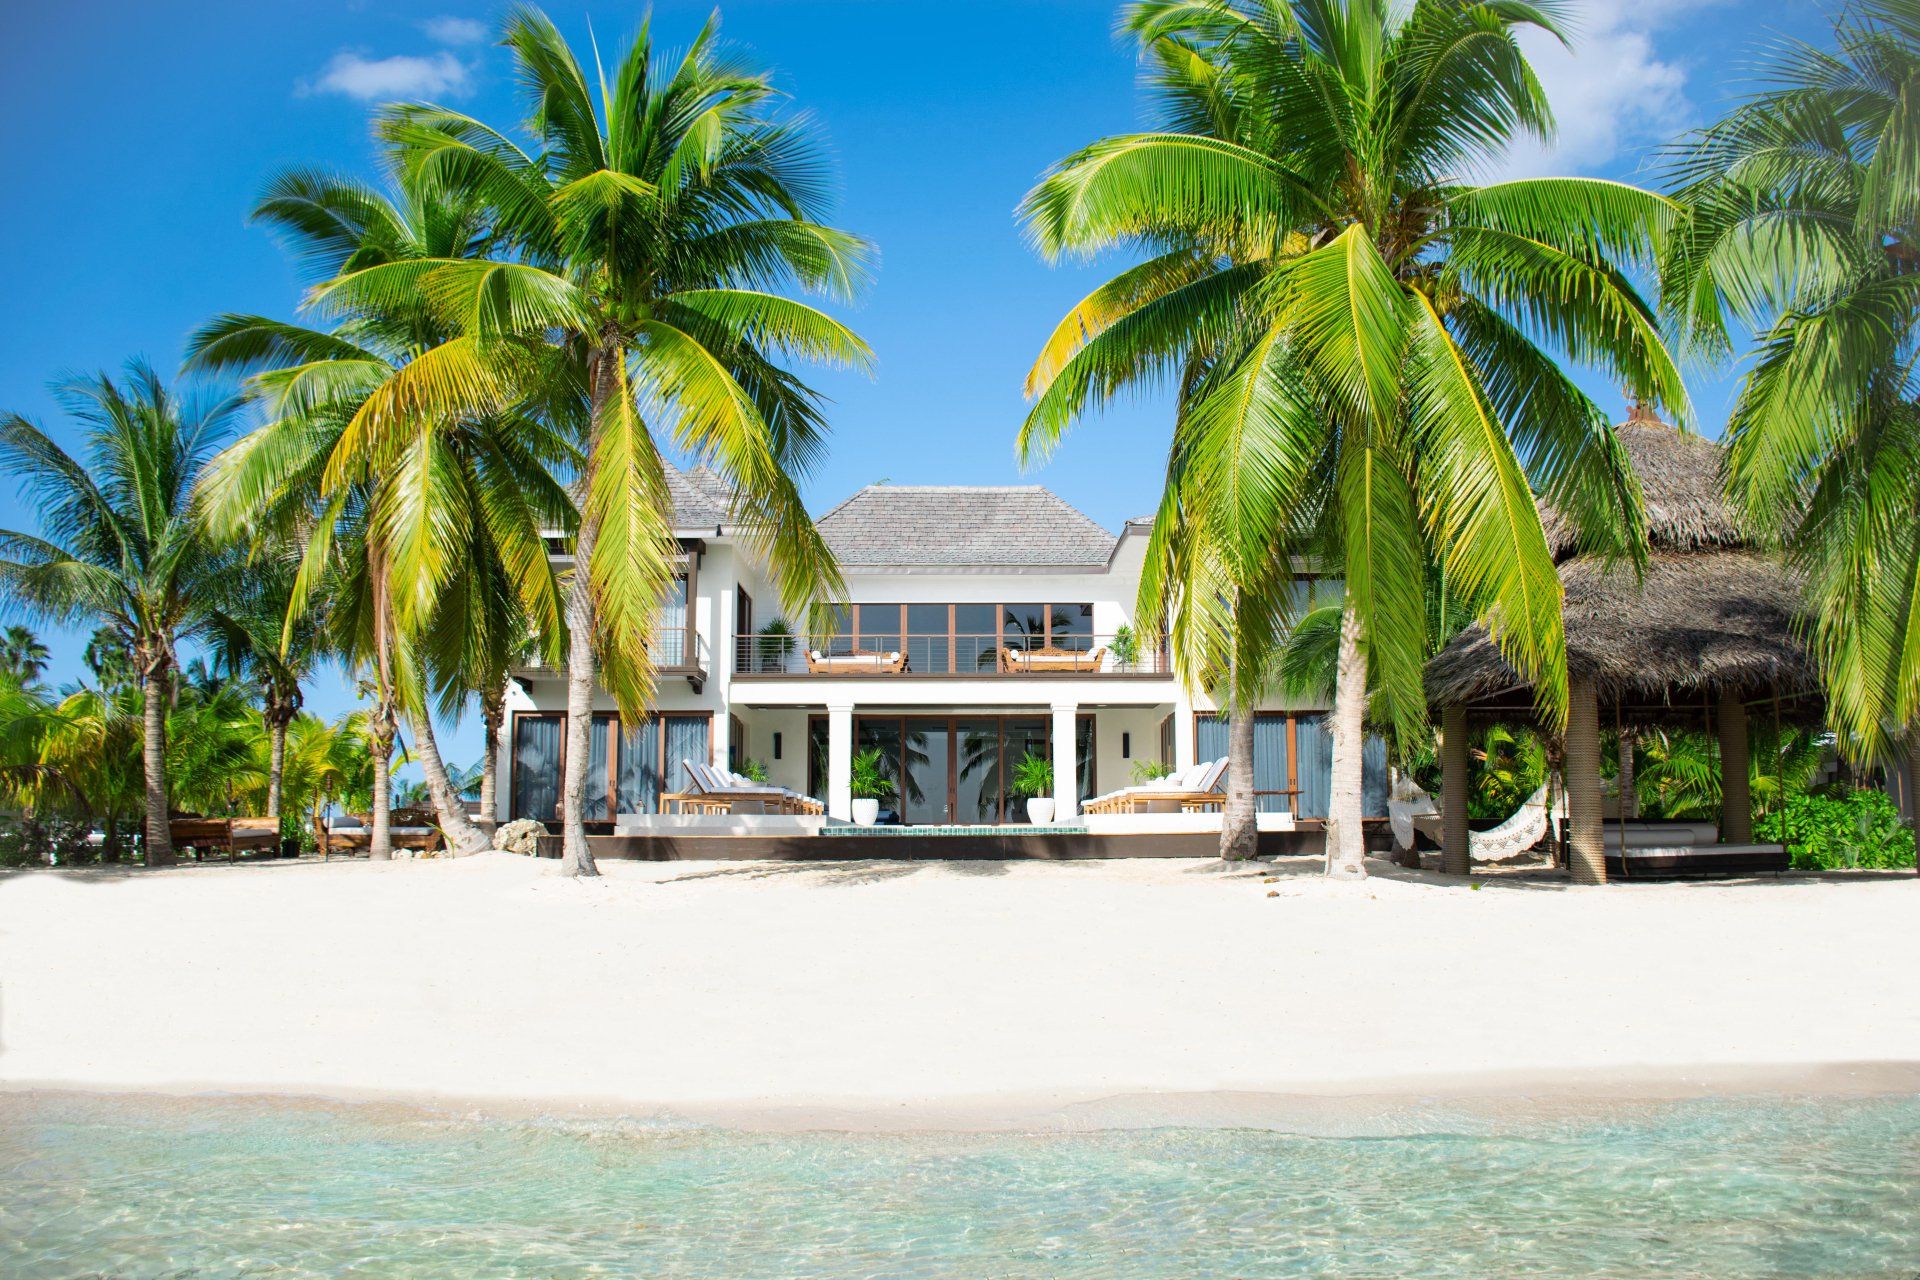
pixel 877 988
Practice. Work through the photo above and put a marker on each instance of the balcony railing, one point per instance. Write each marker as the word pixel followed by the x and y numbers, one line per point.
pixel 945 653
pixel 677 651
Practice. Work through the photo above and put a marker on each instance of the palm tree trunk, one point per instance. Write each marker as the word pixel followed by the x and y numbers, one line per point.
pixel 575 858
pixel 381 728
pixel 1239 827
pixel 276 760
pixel 493 711
pixel 462 836
pixel 153 690
pixel 1346 838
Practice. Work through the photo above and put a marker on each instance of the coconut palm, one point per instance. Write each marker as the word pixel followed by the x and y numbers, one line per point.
pixel 22 656
pixel 119 544
pixel 398 523
pixel 1361 338
pixel 653 226
pixel 1804 203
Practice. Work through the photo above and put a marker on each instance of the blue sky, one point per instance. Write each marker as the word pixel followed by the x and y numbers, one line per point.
pixel 145 131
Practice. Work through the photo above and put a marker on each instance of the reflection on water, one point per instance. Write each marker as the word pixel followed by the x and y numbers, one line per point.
pixel 132 1187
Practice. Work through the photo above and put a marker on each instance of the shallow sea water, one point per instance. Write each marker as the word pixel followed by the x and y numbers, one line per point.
pixel 129 1187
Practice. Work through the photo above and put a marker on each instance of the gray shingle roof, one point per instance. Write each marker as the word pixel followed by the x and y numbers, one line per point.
pixel 971 526
pixel 700 498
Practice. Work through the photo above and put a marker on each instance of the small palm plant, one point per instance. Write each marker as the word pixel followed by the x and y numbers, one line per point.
pixel 871 780
pixel 1032 777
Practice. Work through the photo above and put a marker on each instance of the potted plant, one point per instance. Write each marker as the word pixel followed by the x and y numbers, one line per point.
pixel 772 646
pixel 1033 778
pixel 871 785
pixel 753 771
pixel 1125 649
pixel 1150 770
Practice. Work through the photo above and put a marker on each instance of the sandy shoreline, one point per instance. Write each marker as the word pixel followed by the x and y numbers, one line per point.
pixel 945 995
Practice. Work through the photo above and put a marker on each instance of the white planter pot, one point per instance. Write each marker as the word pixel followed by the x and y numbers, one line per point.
pixel 865 812
pixel 1040 810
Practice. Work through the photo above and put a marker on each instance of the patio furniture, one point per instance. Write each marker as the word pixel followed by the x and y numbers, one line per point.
pixel 1050 660
pixel 210 835
pixel 1194 790
pixel 717 790
pixel 864 663
pixel 413 829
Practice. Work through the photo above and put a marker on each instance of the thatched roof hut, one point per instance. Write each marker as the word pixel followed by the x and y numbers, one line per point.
pixel 1707 630
pixel 1711 614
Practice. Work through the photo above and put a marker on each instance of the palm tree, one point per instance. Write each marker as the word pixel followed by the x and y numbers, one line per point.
pixel 1803 230
pixel 651 229
pixel 119 542
pixel 328 763
pixel 22 656
pixel 1358 336
pixel 457 496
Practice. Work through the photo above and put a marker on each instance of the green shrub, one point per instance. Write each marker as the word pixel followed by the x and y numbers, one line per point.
pixel 1032 777
pixel 1839 829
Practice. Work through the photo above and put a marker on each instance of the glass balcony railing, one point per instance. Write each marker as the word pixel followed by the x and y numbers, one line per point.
pixel 946 653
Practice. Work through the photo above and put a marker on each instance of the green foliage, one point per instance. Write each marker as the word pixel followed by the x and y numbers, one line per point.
pixel 1840 829
pixel 1508 764
pixel 753 770
pixel 1147 771
pixel 1801 232
pixel 1031 777
pixel 872 775
pixel 772 645
pixel 1125 647
pixel 22 656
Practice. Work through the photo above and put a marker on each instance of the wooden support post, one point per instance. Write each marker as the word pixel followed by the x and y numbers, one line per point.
pixel 1736 792
pixel 1456 850
pixel 1586 846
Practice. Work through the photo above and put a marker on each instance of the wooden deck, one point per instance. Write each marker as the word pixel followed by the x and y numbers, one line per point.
pixel 1013 844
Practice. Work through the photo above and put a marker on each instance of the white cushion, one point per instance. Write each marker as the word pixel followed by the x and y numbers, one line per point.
pixel 411 831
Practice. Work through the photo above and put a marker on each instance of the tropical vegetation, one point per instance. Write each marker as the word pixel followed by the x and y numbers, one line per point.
pixel 1360 340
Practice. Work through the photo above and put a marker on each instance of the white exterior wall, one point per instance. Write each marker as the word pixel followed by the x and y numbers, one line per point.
pixel 1133 705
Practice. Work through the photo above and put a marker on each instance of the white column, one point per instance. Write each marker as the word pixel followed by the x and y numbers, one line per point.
pixel 840 761
pixel 722 734
pixel 1183 736
pixel 1066 764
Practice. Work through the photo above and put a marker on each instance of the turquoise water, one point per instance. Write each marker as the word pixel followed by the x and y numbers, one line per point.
pixel 142 1188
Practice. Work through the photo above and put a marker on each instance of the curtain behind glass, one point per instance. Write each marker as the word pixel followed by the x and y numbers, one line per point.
pixel 1083 755
pixel 1210 738
pixel 1315 766
pixel 536 767
pixel 640 767
pixel 686 740
pixel 594 802
pixel 1374 784
pixel 1270 764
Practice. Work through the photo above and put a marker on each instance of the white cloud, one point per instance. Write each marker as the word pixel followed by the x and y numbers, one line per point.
pixel 401 76
pixel 447 29
pixel 1613 94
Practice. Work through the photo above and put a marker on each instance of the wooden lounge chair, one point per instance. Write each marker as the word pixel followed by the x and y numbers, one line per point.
pixel 1194 790
pixel 211 835
pixel 408 828
pixel 1020 661
pixel 864 663
pixel 716 791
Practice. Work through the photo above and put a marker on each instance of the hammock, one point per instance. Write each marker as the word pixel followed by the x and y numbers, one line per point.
pixel 1410 809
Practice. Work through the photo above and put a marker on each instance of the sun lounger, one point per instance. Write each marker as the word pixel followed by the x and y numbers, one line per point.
pixel 1194 790
pixel 1050 660
pixel 407 828
pixel 212 835
pixel 716 790
pixel 855 664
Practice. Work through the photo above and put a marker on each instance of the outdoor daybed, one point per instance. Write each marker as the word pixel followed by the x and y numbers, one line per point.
pixel 716 790
pixel 855 664
pixel 211 835
pixel 1194 790
pixel 1023 660
pixel 408 828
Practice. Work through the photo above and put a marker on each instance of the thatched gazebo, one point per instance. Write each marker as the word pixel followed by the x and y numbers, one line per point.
pixel 1704 636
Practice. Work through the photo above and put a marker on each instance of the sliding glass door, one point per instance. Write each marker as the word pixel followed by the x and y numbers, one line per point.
pixel 628 769
pixel 953 769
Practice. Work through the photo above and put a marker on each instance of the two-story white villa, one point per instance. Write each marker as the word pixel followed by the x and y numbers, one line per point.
pixel 984 624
